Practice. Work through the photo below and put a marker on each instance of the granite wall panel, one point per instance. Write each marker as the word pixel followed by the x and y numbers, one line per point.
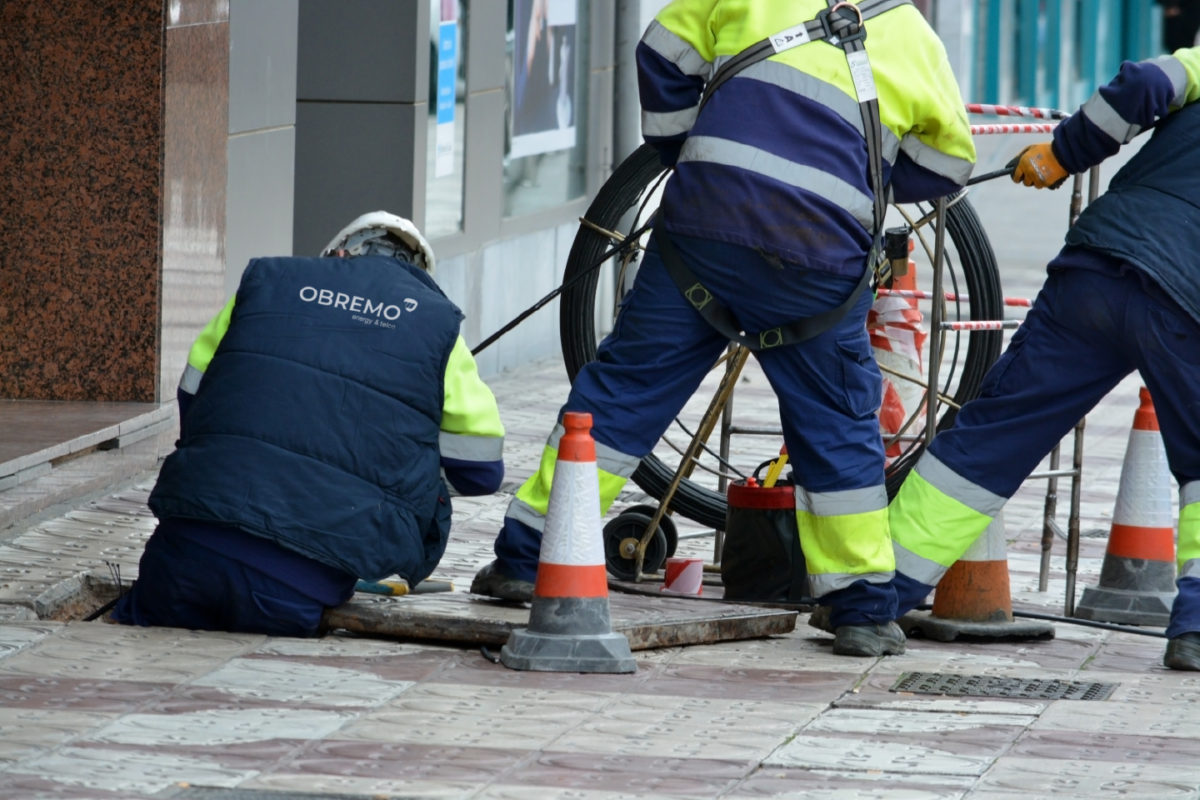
pixel 110 173
pixel 80 168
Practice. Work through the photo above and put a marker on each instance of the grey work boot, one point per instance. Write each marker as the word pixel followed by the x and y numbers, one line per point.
pixel 490 582
pixel 820 619
pixel 1183 652
pixel 869 640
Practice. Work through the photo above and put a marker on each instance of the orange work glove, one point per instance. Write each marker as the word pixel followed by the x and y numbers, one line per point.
pixel 1037 166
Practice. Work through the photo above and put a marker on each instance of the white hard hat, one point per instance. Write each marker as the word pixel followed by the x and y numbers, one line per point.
pixel 382 222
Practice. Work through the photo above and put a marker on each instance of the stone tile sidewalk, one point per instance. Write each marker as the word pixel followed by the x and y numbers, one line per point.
pixel 90 710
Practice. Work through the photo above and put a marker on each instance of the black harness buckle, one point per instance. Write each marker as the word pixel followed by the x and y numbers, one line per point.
pixel 850 14
pixel 698 296
pixel 771 338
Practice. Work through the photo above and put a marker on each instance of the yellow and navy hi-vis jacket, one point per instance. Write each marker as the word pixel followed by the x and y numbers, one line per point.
pixel 471 439
pixel 778 160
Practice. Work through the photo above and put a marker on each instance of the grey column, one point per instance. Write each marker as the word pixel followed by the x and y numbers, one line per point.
pixel 262 132
pixel 361 95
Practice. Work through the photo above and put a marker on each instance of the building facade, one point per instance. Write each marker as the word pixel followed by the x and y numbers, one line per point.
pixel 153 147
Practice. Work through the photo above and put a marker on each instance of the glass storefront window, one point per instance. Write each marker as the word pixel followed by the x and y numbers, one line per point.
pixel 545 163
pixel 444 174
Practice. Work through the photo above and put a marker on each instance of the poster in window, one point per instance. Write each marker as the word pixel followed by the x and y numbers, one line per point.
pixel 543 113
pixel 447 70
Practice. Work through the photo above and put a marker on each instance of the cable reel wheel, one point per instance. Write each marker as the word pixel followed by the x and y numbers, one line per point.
pixel 623 534
pixel 627 187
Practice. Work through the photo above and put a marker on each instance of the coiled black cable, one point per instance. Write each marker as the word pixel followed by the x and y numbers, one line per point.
pixel 577 319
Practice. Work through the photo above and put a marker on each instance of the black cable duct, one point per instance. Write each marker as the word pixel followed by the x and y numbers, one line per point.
pixel 577 319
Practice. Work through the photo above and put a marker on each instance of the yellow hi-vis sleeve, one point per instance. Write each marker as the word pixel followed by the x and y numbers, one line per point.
pixel 1190 58
pixel 692 21
pixel 469 408
pixel 205 346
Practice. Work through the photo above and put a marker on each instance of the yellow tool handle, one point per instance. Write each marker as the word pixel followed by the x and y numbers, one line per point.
pixel 774 471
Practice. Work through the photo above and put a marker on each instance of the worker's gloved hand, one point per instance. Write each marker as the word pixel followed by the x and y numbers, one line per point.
pixel 1038 166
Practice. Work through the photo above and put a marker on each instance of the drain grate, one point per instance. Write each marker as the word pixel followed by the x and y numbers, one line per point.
pixel 989 686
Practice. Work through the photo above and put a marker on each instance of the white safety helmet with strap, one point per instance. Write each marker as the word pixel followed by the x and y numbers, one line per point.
pixel 381 233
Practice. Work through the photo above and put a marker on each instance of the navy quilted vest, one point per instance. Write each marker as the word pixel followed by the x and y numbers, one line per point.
pixel 316 424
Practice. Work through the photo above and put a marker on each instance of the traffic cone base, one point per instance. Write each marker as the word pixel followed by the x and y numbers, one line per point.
pixel 974 598
pixel 570 628
pixel 1137 579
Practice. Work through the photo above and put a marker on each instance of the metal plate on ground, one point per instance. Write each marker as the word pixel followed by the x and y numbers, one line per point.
pixel 990 686
pixel 648 622
pixel 216 793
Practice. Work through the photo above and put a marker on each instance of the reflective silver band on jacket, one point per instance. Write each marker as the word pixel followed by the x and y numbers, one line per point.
pixel 190 380
pixel 471 448
pixel 1105 117
pixel 676 50
pixel 668 123
pixel 715 150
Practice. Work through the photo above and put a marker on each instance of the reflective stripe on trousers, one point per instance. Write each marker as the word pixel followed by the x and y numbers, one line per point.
pixel 844 537
pixel 935 517
pixel 1189 530
pixel 533 498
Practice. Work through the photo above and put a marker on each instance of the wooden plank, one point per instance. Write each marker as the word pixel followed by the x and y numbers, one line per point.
pixel 648 622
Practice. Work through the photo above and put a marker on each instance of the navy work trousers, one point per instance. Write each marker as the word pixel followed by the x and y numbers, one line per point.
pixel 1088 329
pixel 183 584
pixel 829 388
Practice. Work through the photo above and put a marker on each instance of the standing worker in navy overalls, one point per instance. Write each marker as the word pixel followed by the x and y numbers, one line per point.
pixel 316 412
pixel 1124 294
pixel 773 208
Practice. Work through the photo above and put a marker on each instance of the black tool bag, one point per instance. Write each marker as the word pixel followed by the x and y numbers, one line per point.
pixel 761 559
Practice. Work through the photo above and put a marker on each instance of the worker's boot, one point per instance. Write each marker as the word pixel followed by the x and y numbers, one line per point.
pixel 820 619
pixel 1183 652
pixel 490 582
pixel 869 640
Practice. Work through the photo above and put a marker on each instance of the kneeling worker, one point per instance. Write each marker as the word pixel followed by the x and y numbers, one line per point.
pixel 315 412
pixel 1124 294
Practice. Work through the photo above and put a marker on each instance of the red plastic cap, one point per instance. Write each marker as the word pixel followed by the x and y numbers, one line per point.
pixel 1145 419
pixel 577 443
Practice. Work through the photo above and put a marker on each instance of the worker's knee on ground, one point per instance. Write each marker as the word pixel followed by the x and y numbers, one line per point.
pixel 279 616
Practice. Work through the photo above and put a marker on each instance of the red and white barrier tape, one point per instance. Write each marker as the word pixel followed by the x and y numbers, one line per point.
pixel 982 325
pixel 1016 111
pixel 984 130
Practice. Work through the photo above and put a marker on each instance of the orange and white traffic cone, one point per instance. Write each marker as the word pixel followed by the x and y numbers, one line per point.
pixel 1137 579
pixel 974 598
pixel 570 629
pixel 897 332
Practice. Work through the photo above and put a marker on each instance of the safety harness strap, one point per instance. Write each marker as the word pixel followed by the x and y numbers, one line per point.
pixel 815 30
pixel 722 319
pixel 848 33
